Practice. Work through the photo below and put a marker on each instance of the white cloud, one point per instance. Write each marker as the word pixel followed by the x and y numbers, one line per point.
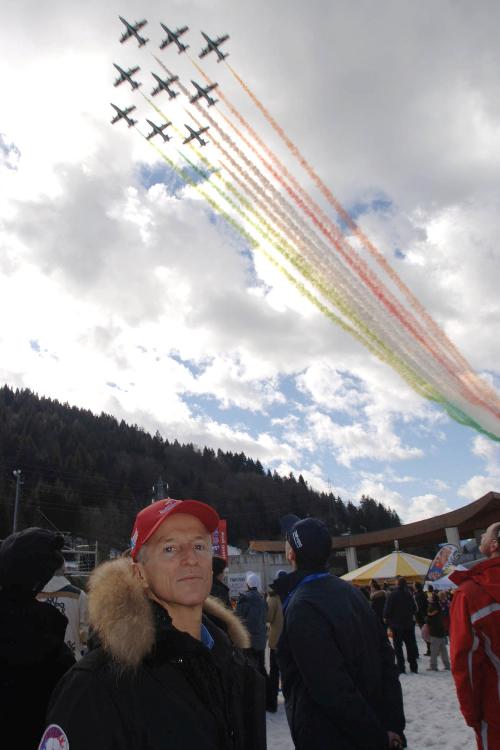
pixel 425 506
pixel 479 484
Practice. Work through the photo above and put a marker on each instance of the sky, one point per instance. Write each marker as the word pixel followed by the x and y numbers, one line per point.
pixel 123 290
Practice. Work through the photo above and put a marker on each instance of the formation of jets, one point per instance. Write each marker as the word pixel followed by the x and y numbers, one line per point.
pixel 164 85
pixel 202 92
pixel 173 36
pixel 126 75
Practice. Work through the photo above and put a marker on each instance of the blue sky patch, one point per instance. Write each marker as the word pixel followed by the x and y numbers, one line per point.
pixel 163 174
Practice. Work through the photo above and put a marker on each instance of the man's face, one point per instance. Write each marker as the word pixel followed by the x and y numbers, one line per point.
pixel 177 564
pixel 489 541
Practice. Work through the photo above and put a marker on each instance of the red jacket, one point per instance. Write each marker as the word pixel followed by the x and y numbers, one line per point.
pixel 475 642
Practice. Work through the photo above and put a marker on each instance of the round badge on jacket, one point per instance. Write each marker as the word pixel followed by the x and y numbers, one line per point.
pixel 54 738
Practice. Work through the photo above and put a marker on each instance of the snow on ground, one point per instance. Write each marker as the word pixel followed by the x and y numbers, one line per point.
pixel 433 718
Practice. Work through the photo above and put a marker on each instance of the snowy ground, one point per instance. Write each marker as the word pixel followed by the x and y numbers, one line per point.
pixel 433 718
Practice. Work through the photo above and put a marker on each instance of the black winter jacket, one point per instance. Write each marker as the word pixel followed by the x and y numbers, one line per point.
pixel 180 695
pixel 340 681
pixel 400 609
pixel 33 657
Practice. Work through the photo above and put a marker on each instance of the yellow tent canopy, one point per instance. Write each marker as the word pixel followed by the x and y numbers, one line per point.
pixel 412 567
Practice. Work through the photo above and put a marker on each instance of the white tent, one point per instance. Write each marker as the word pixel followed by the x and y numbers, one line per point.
pixel 444 583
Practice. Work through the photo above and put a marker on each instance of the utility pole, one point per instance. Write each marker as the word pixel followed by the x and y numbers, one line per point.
pixel 19 481
pixel 160 490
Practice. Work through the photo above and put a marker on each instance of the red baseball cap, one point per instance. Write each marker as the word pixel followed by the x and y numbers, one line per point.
pixel 150 518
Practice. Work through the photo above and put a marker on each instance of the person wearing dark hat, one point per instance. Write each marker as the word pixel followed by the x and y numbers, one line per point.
pixel 165 676
pixel 219 588
pixel 399 613
pixel 33 655
pixel 338 670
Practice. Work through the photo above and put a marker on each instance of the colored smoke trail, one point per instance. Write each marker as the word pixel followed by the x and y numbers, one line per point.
pixel 318 261
pixel 462 380
pixel 467 377
pixel 393 305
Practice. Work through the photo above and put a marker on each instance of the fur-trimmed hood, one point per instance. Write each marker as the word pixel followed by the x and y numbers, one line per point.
pixel 123 617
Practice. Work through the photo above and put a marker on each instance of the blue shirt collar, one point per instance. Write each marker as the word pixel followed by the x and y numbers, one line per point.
pixel 206 638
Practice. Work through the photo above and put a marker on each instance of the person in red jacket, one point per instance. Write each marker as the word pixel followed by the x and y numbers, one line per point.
pixel 475 641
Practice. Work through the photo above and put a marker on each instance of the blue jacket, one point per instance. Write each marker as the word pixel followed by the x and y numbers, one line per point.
pixel 340 681
pixel 252 609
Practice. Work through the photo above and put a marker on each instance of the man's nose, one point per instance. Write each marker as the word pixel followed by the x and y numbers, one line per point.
pixel 188 555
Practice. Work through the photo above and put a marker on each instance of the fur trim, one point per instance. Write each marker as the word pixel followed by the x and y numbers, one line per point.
pixel 122 616
pixel 236 631
pixel 120 612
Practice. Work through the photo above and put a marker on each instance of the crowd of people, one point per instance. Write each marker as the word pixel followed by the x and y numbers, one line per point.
pixel 158 656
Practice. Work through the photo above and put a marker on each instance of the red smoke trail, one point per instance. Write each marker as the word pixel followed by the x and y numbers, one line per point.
pixel 476 383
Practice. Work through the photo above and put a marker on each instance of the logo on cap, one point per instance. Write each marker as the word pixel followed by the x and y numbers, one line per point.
pixel 296 539
pixel 168 504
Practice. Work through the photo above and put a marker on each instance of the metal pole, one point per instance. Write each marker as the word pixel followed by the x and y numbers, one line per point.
pixel 17 473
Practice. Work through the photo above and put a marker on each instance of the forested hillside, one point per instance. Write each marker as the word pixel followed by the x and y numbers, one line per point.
pixel 88 475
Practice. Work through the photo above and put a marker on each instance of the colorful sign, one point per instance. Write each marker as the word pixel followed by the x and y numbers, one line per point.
pixel 219 540
pixel 444 562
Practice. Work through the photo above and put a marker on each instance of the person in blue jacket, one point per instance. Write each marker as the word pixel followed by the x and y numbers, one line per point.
pixel 339 676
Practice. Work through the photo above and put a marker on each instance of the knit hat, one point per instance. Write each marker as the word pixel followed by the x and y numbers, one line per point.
pixel 29 559
pixel 252 581
pixel 152 516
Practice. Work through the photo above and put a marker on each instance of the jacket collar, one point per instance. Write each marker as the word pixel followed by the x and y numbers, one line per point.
pixel 130 626
pixel 285 584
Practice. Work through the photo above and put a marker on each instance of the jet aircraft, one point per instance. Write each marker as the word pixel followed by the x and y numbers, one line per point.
pixel 133 30
pixel 196 134
pixel 203 92
pixel 173 36
pixel 126 75
pixel 165 86
pixel 213 46
pixel 123 114
pixel 158 130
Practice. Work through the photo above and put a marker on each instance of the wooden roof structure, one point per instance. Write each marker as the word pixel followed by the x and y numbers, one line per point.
pixel 476 515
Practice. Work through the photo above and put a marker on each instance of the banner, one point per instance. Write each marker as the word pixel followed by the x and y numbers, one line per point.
pixel 219 540
pixel 444 562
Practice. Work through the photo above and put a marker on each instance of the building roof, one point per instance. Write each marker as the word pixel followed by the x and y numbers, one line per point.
pixel 260 545
pixel 476 515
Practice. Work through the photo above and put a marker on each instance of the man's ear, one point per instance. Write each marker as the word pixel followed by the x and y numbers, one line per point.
pixel 290 554
pixel 138 572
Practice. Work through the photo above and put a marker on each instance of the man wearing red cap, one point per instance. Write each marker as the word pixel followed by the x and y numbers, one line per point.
pixel 165 674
